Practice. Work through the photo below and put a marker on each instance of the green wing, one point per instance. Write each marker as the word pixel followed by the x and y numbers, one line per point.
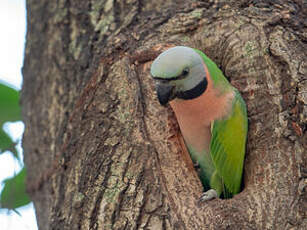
pixel 228 136
pixel 227 145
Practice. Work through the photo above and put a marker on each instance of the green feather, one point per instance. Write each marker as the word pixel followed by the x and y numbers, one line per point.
pixel 227 145
pixel 216 74
pixel 228 140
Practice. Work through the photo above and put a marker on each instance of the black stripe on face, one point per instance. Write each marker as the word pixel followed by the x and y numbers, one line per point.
pixel 195 92
pixel 165 79
pixel 179 77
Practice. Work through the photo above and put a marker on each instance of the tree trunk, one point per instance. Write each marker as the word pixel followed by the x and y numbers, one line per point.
pixel 100 151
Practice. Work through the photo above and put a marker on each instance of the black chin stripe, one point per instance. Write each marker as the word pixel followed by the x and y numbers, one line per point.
pixel 195 92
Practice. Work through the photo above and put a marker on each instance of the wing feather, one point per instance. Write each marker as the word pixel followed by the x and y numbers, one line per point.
pixel 227 145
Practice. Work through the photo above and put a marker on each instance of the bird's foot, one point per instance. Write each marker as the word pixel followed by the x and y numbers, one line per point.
pixel 209 195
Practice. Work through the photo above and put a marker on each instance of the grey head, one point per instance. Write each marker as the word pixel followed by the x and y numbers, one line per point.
pixel 179 73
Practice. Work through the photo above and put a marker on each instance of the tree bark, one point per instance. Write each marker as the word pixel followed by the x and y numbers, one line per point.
pixel 101 153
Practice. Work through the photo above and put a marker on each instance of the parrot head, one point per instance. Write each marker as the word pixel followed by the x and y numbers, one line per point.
pixel 179 72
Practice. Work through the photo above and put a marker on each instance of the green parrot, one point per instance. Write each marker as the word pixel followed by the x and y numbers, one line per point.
pixel 211 115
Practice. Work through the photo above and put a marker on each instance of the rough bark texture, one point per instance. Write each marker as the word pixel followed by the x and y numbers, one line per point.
pixel 101 153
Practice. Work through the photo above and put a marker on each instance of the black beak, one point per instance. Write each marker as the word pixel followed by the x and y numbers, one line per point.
pixel 164 92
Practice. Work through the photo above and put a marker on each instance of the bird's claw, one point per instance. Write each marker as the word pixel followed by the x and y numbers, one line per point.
pixel 209 195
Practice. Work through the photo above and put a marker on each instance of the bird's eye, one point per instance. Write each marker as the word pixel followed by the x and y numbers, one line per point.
pixel 185 71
